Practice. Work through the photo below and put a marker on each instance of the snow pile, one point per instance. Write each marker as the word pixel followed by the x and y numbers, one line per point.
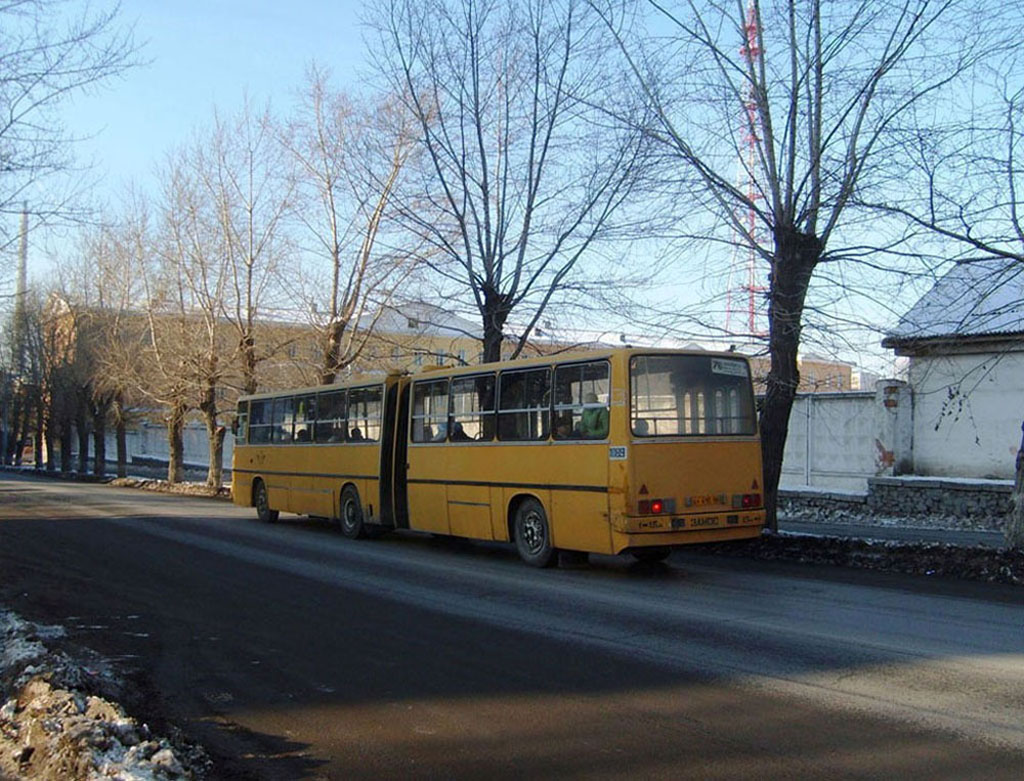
pixel 55 723
pixel 162 486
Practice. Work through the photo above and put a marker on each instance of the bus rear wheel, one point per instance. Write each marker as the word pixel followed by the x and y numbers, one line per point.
pixel 262 503
pixel 352 525
pixel 532 534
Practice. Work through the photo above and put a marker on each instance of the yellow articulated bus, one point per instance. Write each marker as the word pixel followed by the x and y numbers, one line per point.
pixel 622 450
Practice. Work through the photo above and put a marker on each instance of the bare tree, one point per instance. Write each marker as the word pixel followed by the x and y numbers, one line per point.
pixel 521 174
pixel 820 106
pixel 195 264
pixel 162 374
pixel 966 192
pixel 349 160
pixel 50 52
pixel 115 276
pixel 240 169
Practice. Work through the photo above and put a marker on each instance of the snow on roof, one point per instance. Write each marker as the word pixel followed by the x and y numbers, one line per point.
pixel 419 317
pixel 972 299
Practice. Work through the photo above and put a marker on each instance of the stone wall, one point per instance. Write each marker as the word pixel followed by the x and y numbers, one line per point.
pixel 912 501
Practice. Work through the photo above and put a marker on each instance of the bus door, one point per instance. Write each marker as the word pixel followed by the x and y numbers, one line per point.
pixel 387 456
pixel 394 454
pixel 400 485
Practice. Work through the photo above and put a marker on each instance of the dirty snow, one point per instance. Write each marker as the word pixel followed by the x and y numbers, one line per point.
pixel 55 722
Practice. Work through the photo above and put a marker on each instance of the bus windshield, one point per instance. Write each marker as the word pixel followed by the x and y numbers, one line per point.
pixel 690 395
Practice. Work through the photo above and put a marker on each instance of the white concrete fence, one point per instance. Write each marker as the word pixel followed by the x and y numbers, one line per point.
pixel 837 442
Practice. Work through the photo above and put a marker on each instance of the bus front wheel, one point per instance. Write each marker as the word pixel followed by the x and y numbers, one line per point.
pixel 532 534
pixel 262 502
pixel 351 514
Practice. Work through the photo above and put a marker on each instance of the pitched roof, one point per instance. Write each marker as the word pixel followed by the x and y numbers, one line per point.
pixel 979 298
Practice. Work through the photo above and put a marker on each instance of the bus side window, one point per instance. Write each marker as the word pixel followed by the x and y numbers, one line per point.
pixel 364 414
pixel 241 426
pixel 581 401
pixel 330 419
pixel 259 422
pixel 524 408
pixel 283 419
pixel 430 411
pixel 472 409
pixel 305 418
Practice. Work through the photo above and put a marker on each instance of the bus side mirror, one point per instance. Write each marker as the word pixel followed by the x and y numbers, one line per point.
pixel 234 427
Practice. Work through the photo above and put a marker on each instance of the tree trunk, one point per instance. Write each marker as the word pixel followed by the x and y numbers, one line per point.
pixel 215 436
pixel 332 352
pixel 51 462
pixel 122 435
pixel 176 443
pixel 796 255
pixel 40 428
pixel 1015 523
pixel 66 438
pixel 215 474
pixel 99 437
pixel 122 439
pixel 14 444
pixel 82 427
pixel 247 345
pixel 494 316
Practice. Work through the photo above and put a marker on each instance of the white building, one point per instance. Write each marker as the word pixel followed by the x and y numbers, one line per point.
pixel 964 341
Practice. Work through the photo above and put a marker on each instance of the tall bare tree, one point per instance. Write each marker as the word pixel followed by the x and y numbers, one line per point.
pixel 349 160
pixel 100 285
pixel 521 174
pixel 241 169
pixel 820 106
pixel 50 51
pixel 197 265
pixel 966 192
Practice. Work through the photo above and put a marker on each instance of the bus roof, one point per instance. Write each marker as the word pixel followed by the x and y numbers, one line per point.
pixel 574 356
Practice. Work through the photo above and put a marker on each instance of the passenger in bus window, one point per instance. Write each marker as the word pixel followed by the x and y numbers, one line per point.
pixel 357 435
pixel 594 420
pixel 459 433
pixel 563 428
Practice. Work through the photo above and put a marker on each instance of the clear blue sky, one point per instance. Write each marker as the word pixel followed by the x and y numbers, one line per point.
pixel 204 54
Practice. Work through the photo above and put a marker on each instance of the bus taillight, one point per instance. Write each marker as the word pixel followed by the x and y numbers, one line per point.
pixel 746 501
pixel 656 506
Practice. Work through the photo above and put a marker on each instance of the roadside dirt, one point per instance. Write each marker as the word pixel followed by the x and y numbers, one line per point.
pixel 60 719
pixel 931 559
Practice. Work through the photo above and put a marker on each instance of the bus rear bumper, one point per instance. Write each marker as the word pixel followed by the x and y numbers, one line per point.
pixel 647 531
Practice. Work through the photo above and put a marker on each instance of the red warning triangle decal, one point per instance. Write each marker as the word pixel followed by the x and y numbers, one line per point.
pixel 643 490
pixel 754 486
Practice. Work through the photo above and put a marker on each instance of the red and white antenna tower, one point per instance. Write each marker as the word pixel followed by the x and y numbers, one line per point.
pixel 744 287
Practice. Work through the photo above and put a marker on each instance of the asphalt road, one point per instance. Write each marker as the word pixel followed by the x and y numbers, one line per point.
pixel 290 652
